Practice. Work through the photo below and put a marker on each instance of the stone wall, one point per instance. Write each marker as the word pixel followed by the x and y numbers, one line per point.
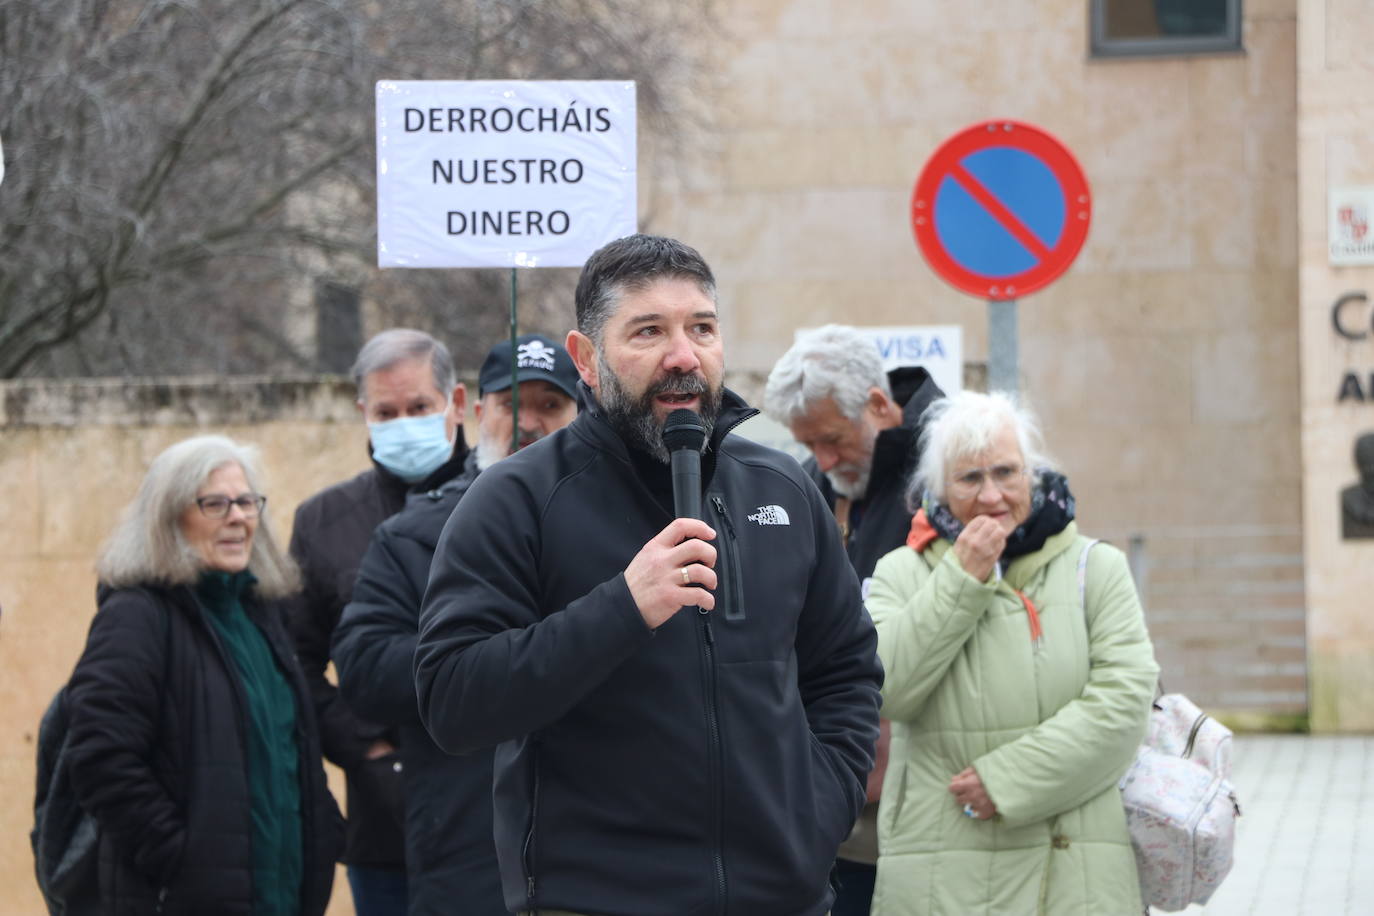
pixel 1336 150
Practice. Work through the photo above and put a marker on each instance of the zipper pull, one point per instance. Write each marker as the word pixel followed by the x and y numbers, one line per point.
pixel 720 507
pixel 529 887
pixel 706 623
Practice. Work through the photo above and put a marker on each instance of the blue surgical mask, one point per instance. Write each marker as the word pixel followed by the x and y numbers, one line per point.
pixel 412 448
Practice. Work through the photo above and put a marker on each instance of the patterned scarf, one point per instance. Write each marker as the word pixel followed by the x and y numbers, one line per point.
pixel 1052 508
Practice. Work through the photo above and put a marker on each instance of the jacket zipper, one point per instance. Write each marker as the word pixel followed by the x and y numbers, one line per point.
pixel 527 851
pixel 715 768
pixel 733 572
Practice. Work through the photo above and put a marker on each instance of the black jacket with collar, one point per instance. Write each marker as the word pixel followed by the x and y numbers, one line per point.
pixel 328 539
pixel 710 766
pixel 879 522
pixel 158 756
pixel 450 856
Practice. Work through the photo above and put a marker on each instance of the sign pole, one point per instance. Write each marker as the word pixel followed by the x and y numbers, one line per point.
pixel 1003 371
pixel 514 367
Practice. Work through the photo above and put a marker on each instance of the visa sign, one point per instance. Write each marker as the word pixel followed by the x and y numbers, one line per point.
pixel 939 348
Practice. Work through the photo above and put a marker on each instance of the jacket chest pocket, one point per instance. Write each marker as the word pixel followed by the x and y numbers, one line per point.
pixel 761 579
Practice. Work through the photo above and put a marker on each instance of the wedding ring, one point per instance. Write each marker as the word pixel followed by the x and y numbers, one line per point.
pixel 686 577
pixel 969 812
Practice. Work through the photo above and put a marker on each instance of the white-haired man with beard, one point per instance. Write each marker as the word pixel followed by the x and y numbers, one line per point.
pixel 684 711
pixel 862 425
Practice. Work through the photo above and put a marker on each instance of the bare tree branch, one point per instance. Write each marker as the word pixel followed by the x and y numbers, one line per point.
pixel 183 167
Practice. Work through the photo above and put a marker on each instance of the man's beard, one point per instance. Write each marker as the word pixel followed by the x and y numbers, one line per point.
pixel 633 418
pixel 857 486
pixel 491 449
pixel 849 489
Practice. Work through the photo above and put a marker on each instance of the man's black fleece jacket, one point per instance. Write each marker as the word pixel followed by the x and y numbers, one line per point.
pixel 710 766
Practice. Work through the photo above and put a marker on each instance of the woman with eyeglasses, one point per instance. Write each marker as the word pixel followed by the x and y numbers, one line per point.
pixel 1019 676
pixel 193 741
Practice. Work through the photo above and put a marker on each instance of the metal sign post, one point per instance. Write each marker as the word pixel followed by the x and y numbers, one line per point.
pixel 1003 371
pixel 514 367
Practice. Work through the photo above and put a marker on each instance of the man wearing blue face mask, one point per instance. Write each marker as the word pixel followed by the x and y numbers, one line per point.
pixel 413 406
pixel 450 847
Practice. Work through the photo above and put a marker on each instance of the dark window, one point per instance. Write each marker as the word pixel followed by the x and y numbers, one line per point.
pixel 339 332
pixel 1126 27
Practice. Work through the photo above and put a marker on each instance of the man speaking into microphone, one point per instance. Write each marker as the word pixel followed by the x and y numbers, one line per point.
pixel 685 709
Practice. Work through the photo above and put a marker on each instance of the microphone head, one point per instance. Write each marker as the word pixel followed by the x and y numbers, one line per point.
pixel 684 430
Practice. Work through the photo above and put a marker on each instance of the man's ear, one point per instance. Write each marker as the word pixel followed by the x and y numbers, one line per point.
pixel 453 413
pixel 883 408
pixel 583 352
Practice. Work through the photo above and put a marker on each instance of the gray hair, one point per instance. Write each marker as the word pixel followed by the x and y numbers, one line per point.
pixel 834 361
pixel 399 345
pixel 965 424
pixel 631 264
pixel 148 547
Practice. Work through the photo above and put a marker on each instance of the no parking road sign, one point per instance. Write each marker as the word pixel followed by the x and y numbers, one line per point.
pixel 1001 209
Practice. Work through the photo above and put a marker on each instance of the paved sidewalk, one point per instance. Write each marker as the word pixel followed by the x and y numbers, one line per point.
pixel 1305 841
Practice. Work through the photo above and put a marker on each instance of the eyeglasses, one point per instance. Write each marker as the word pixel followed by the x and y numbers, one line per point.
pixel 1004 477
pixel 250 504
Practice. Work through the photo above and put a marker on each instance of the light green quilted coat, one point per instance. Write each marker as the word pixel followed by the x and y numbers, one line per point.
pixel 1050 729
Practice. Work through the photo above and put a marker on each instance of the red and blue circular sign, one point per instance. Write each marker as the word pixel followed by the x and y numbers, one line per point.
pixel 1001 209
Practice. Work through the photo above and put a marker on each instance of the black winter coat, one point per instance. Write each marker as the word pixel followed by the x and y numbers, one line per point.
pixel 159 757
pixel 450 854
pixel 879 522
pixel 330 534
pixel 710 766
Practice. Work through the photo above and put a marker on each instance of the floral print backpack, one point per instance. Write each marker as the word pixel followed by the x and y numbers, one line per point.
pixel 1181 808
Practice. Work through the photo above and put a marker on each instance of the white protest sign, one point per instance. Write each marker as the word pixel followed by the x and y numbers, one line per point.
pixel 503 173
pixel 938 348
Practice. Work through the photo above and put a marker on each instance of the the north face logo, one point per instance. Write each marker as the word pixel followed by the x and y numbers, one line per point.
pixel 534 355
pixel 770 515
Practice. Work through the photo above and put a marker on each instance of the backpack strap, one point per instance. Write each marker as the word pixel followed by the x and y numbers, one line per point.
pixel 1082 603
pixel 165 612
pixel 1083 574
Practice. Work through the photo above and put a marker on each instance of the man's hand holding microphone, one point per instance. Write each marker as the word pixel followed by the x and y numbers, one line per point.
pixel 677 567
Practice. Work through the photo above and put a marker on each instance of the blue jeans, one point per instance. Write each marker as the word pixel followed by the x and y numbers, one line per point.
pixel 377 891
pixel 856 888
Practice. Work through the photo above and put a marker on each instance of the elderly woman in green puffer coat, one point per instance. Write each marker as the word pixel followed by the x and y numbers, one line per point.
pixel 1019 682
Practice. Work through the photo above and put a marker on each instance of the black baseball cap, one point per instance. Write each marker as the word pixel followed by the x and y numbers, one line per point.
pixel 537 358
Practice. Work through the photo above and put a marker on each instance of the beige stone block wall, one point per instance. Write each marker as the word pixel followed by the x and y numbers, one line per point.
pixel 1164 364
pixel 1336 148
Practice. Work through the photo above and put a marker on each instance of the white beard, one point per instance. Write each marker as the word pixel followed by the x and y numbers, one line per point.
pixel 491 450
pixel 845 487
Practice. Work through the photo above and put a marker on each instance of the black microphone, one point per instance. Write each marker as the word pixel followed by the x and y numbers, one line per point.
pixel 683 436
